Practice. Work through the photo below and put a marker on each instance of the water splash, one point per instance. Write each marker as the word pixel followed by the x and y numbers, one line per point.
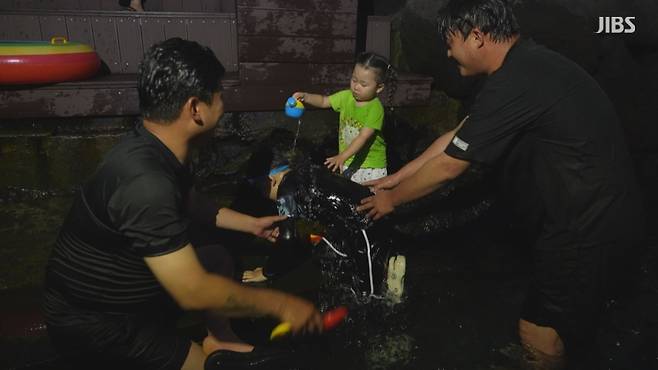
pixel 294 143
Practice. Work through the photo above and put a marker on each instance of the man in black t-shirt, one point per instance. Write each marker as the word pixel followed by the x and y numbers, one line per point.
pixel 124 259
pixel 554 137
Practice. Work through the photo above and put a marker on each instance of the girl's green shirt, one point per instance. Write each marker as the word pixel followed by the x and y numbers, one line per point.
pixel 352 119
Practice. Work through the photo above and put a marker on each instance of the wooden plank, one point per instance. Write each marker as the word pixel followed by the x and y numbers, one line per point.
pixel 228 49
pixel 106 42
pixel 152 31
pixel 117 95
pixel 206 32
pixel 219 35
pixel 295 23
pixel 48 4
pixel 295 73
pixel 109 5
pixel 52 26
pixel 210 6
pixel 26 4
pixel 348 6
pixel 227 6
pixel 25 27
pixel 69 102
pixel 378 37
pixel 295 49
pixel 192 6
pixel 80 30
pixel 9 4
pixel 153 6
pixel 172 5
pixel 6 29
pixel 175 27
pixel 89 4
pixel 130 44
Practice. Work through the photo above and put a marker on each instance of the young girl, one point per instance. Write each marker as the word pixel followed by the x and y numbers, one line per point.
pixel 361 145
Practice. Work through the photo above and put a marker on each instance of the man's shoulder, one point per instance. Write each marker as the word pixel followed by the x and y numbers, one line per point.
pixel 528 56
pixel 133 155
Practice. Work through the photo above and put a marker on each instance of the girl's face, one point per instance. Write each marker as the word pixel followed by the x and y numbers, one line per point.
pixel 364 84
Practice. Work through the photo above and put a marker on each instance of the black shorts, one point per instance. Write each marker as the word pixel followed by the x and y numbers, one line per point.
pixel 126 341
pixel 571 285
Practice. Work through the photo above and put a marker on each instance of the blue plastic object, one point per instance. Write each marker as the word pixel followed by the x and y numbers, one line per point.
pixel 294 108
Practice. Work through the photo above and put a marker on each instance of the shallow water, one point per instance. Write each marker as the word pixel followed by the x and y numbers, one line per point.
pixel 464 289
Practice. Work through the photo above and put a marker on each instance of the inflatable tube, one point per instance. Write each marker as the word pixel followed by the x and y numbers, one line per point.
pixel 40 62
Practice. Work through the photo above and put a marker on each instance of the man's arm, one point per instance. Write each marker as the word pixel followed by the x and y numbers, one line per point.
pixel 433 174
pixel 193 288
pixel 437 147
pixel 207 212
pixel 260 226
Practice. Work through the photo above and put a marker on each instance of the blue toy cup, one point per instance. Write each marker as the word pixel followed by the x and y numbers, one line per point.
pixel 294 108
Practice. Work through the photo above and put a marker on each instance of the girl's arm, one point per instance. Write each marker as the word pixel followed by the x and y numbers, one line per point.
pixel 316 100
pixel 335 163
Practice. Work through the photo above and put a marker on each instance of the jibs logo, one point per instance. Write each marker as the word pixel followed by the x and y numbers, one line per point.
pixel 616 25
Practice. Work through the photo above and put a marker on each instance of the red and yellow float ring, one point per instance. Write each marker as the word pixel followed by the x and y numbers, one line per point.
pixel 40 62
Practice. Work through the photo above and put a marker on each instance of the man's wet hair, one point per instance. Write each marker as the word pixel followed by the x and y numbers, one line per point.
pixel 493 17
pixel 173 71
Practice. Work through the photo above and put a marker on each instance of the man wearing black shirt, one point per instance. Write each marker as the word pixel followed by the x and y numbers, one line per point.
pixel 554 137
pixel 124 256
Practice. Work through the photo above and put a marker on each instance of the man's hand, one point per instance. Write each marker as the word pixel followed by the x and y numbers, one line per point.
pixel 335 163
pixel 301 314
pixel 378 205
pixel 263 227
pixel 384 183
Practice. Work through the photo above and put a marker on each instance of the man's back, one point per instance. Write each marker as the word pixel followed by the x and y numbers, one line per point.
pixel 116 220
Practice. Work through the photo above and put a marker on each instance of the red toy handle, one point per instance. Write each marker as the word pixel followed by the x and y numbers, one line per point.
pixel 330 320
pixel 333 318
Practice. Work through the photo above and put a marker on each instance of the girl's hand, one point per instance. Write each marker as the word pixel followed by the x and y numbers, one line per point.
pixel 299 95
pixel 263 227
pixel 335 163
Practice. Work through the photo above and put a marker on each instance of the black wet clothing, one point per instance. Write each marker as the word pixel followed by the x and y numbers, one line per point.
pixel 100 295
pixel 312 192
pixel 555 139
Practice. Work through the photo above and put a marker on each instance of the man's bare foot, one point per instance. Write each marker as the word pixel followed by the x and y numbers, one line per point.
pixel 253 276
pixel 212 344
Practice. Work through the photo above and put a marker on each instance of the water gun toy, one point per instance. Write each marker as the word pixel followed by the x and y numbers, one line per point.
pixel 330 320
